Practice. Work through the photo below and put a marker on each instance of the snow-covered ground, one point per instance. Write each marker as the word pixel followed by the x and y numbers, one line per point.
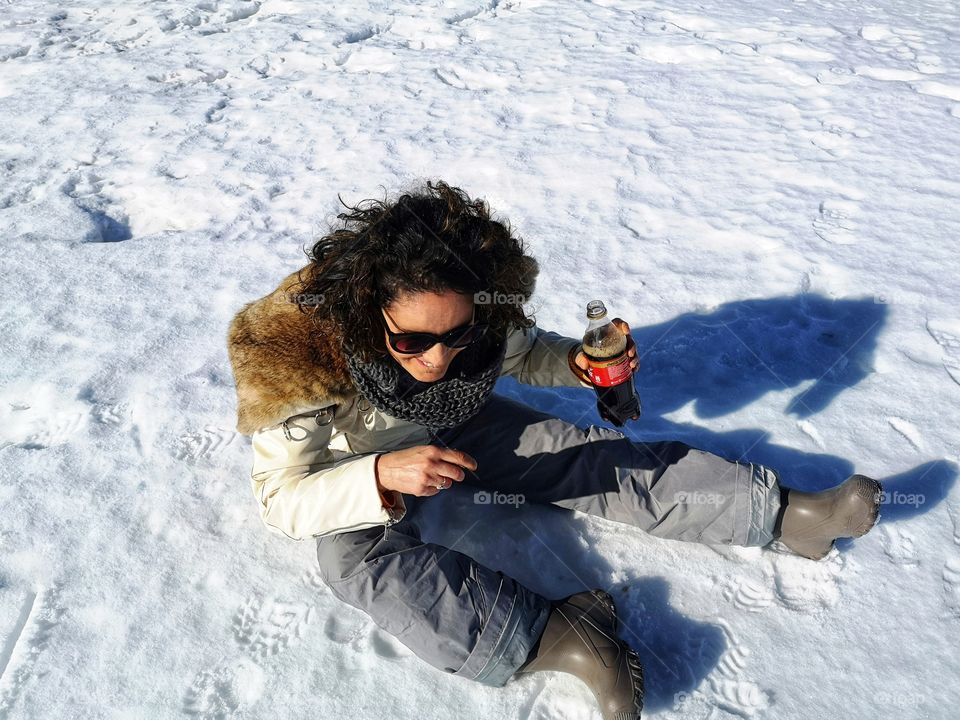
pixel 769 193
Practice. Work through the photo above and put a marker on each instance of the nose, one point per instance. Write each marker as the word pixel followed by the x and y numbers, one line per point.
pixel 437 355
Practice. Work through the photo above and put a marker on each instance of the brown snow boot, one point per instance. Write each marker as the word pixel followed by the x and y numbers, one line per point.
pixel 810 522
pixel 580 638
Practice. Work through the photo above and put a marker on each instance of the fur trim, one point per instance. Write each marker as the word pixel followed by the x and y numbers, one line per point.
pixel 282 365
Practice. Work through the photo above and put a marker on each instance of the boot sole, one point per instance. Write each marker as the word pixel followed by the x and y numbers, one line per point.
pixel 870 491
pixel 634 666
pixel 636 672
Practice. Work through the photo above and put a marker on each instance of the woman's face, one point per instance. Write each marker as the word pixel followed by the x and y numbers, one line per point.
pixel 432 313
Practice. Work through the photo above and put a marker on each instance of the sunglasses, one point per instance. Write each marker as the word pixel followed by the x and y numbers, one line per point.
pixel 418 342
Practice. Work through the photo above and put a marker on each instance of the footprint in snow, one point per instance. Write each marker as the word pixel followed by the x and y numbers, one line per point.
pixel 898 546
pixel 730 688
pixel 749 596
pixel 836 223
pixel 947 336
pixel 359 632
pixel 265 627
pixel 112 414
pixel 807 586
pixel 204 444
pixel 224 691
pixel 313 579
pixel 346 630
pixel 951 587
pixel 209 17
pixel 54 430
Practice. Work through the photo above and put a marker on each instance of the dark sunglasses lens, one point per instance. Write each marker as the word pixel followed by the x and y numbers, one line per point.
pixel 468 336
pixel 413 344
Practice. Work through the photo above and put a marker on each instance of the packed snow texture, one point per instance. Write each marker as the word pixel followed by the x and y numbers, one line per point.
pixel 768 193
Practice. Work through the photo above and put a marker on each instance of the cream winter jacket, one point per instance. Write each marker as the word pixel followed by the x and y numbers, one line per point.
pixel 314 438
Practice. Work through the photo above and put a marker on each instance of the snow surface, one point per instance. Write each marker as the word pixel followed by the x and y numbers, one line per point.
pixel 767 192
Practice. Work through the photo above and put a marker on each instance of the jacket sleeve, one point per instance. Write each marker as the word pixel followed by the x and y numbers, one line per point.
pixel 303 488
pixel 539 357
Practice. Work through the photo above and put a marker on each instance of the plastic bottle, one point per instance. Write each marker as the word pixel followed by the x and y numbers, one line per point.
pixel 605 348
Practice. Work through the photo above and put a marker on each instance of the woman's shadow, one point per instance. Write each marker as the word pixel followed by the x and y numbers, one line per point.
pixel 720 362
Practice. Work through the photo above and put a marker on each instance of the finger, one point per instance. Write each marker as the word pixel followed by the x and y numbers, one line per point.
pixel 458 457
pixel 449 471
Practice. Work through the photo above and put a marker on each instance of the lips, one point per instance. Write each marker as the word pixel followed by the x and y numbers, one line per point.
pixel 424 365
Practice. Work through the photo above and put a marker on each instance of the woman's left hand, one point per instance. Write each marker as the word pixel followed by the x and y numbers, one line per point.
pixel 581 360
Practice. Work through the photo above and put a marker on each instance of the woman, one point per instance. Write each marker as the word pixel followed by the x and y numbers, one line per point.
pixel 365 381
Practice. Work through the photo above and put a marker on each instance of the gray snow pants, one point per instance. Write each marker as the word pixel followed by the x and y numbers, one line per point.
pixel 479 623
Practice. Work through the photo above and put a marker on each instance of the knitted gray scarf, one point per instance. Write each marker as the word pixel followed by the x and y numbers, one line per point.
pixel 447 402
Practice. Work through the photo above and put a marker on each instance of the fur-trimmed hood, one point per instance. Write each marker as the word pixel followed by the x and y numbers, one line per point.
pixel 282 365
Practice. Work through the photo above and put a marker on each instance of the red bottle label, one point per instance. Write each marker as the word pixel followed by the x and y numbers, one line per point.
pixel 609 372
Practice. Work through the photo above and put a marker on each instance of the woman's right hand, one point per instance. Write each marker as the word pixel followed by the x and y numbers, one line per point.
pixel 422 469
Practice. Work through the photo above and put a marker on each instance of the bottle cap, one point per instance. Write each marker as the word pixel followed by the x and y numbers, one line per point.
pixel 596 309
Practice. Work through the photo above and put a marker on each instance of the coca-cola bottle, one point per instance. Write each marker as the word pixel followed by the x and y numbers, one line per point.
pixel 605 348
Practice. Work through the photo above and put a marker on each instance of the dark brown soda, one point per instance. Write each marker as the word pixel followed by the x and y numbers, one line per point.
pixel 605 348
pixel 620 402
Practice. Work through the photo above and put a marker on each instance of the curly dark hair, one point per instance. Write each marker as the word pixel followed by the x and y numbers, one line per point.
pixel 431 239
